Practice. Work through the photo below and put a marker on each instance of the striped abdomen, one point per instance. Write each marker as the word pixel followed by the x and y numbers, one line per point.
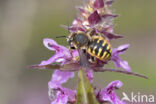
pixel 100 48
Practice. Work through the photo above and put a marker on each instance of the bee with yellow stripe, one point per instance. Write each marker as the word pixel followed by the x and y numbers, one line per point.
pixel 100 48
pixel 96 46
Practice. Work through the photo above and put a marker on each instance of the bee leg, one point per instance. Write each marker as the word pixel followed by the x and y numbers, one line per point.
pixel 72 47
pixel 84 50
pixel 92 59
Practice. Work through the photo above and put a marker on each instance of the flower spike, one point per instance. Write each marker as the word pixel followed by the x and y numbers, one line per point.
pixel 95 18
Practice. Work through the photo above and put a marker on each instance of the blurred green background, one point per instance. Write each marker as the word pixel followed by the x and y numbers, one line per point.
pixel 24 24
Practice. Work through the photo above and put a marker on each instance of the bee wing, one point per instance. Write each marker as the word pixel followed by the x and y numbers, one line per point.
pixel 100 69
pixel 65 67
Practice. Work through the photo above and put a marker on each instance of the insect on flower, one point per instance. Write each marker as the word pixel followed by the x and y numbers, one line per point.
pixel 89 36
pixel 83 62
pixel 97 46
pixel 89 49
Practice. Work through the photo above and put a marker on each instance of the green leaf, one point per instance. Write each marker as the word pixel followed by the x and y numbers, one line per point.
pixel 85 91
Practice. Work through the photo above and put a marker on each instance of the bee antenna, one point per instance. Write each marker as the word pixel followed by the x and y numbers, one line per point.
pixel 61 36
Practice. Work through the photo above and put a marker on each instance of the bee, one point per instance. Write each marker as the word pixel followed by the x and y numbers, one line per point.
pixel 97 46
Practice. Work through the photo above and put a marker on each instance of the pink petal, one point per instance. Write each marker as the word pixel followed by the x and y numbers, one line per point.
pixel 62 95
pixel 50 44
pixel 117 60
pixel 98 4
pixel 61 76
pixel 62 54
pixel 51 59
pixel 90 75
pixel 61 99
pixel 121 49
pixel 108 93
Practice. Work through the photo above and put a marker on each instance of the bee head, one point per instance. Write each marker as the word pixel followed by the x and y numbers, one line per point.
pixel 78 39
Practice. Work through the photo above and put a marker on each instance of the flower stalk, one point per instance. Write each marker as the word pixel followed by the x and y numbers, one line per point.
pixel 85 91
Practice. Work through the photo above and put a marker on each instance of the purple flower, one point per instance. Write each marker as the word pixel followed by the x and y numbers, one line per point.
pixel 62 54
pixel 57 93
pixel 61 99
pixel 108 94
pixel 117 60
pixel 95 15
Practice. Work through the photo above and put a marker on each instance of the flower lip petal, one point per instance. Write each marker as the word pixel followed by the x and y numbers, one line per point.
pixel 61 99
pixel 62 54
pixel 55 85
pixel 117 60
pixel 61 77
pixel 108 93
pixel 51 59
pixel 124 65
pixel 121 63
pixel 123 48
pixel 98 4
pixel 50 44
pixel 115 84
